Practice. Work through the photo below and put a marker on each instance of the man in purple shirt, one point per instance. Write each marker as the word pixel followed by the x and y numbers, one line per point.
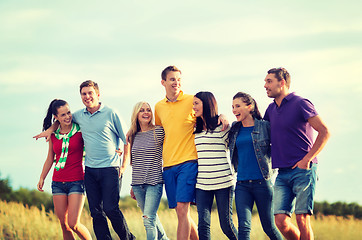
pixel 292 121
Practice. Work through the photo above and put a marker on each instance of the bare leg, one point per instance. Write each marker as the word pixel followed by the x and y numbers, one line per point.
pixel 61 210
pixel 286 227
pixel 194 233
pixel 186 228
pixel 305 227
pixel 75 206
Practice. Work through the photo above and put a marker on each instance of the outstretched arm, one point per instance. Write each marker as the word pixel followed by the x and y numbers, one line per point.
pixel 321 140
pixel 47 133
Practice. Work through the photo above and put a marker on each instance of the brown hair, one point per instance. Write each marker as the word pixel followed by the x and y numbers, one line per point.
pixel 248 100
pixel 167 70
pixel 281 74
pixel 89 83
pixel 209 112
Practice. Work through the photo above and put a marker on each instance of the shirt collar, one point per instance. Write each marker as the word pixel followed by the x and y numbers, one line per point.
pixel 290 96
pixel 99 110
pixel 287 98
pixel 180 97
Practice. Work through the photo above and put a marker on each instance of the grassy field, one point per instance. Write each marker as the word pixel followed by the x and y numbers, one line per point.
pixel 18 222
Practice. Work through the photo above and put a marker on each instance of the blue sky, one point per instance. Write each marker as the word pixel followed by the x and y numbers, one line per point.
pixel 49 47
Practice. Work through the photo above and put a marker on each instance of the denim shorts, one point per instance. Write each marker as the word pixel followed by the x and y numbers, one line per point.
pixel 294 191
pixel 180 182
pixel 67 188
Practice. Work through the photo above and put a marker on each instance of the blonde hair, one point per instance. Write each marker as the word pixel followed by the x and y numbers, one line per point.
pixel 135 126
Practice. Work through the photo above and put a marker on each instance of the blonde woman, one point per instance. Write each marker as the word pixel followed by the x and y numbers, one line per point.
pixel 146 142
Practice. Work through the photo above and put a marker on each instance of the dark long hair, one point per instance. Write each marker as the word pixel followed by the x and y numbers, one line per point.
pixel 52 110
pixel 248 100
pixel 209 112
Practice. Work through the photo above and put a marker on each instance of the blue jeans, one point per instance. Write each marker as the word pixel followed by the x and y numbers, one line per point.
pixel 261 192
pixel 148 199
pixel 224 202
pixel 295 189
pixel 102 188
pixel 68 188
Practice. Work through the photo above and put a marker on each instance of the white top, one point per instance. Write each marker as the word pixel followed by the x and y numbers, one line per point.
pixel 214 169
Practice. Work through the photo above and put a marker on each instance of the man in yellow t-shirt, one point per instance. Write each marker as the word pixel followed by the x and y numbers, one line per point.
pixel 174 113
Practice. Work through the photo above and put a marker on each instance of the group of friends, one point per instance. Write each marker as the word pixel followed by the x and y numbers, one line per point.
pixel 183 146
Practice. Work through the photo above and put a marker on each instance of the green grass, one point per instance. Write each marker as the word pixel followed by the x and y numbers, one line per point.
pixel 19 222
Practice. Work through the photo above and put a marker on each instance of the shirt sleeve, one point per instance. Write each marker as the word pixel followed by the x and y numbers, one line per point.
pixel 307 109
pixel 75 116
pixel 120 127
pixel 157 118
pixel 160 135
pixel 267 123
pixel 266 115
pixel 225 135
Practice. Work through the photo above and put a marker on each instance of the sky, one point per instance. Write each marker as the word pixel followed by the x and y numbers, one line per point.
pixel 48 48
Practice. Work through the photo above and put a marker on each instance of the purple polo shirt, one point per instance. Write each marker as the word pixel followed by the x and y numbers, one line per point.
pixel 291 134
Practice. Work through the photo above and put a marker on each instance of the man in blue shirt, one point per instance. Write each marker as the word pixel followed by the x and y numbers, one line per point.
pixel 101 130
pixel 292 122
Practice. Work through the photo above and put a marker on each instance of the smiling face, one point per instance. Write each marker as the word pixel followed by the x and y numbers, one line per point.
pixel 64 116
pixel 90 97
pixel 172 84
pixel 198 107
pixel 241 110
pixel 144 116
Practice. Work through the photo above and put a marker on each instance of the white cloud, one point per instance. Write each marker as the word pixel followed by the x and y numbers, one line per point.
pixel 235 30
pixel 24 17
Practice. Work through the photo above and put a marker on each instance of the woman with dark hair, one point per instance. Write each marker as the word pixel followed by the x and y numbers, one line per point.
pixel 66 150
pixel 249 143
pixel 215 177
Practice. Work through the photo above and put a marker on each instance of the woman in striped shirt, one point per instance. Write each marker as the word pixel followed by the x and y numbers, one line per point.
pixel 146 141
pixel 215 177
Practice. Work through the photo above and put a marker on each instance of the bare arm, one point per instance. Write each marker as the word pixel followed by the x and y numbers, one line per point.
pixel 47 133
pixel 126 158
pixel 46 167
pixel 321 140
pixel 224 121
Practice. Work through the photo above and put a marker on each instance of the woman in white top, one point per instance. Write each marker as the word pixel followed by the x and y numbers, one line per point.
pixel 215 177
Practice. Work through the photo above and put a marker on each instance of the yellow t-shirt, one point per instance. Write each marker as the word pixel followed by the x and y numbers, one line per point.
pixel 178 121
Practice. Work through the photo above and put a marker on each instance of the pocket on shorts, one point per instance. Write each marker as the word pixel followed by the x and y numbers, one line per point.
pixel 302 169
pixel 80 182
pixel 191 181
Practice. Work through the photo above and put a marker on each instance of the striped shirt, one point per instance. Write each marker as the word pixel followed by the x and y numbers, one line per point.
pixel 146 157
pixel 214 170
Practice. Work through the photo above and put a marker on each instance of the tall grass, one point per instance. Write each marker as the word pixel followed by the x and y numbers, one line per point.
pixel 19 222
